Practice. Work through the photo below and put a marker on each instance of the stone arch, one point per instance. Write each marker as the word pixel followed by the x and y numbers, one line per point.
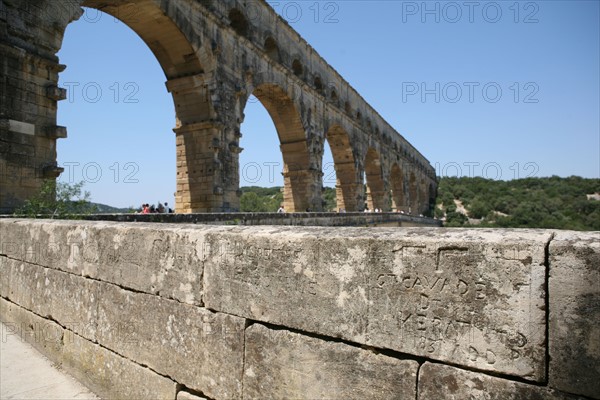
pixel 298 177
pixel 397 185
pixel 173 50
pixel 376 195
pixel 345 168
pixel 180 62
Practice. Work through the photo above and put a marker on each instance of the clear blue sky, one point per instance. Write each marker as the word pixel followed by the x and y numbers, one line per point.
pixel 496 89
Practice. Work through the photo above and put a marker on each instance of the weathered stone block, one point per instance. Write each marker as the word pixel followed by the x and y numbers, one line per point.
pixel 471 298
pixel 264 274
pixel 474 298
pixel 437 381
pixel 198 348
pixel 574 327
pixel 285 365
pixel 141 257
pixel 56 93
pixel 105 372
pixel 56 132
pixel 46 336
pixel 112 376
pixel 68 299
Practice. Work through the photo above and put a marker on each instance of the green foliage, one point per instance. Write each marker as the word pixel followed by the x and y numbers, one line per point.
pixel 479 209
pixel 438 213
pixel 58 200
pixel 455 219
pixel 329 199
pixel 257 199
pixel 552 203
pixel 451 208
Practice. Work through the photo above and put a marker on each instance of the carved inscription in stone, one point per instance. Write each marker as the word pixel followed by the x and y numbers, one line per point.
pixel 473 299
pixel 459 303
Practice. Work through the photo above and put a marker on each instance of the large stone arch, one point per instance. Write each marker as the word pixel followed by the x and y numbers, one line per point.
pixel 161 30
pixel 187 83
pixel 158 29
pixel 347 185
pixel 298 180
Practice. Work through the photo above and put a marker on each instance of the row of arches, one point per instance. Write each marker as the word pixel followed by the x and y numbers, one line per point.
pixel 362 180
pixel 330 91
pixel 210 77
pixel 383 189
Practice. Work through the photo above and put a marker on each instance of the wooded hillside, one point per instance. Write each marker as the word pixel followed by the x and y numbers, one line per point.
pixel 554 203
pixel 557 203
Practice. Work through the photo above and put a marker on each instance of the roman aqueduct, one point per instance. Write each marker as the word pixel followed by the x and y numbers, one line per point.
pixel 215 55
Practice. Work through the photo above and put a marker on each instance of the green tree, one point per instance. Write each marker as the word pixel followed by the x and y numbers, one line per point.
pixel 329 199
pixel 456 219
pixel 478 209
pixel 438 213
pixel 557 203
pixel 251 202
pixel 58 200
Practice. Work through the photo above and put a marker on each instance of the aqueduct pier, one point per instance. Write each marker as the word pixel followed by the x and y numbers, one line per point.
pixel 215 55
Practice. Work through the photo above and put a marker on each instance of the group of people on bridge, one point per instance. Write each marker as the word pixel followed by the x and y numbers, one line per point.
pixel 160 209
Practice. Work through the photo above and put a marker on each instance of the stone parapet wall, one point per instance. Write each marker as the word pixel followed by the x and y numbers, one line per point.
pixel 224 312
pixel 294 219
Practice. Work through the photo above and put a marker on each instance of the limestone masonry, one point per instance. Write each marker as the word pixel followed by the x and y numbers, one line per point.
pixel 139 310
pixel 215 54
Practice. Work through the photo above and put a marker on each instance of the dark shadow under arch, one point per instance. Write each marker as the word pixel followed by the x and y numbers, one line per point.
pixel 297 68
pixel 238 22
pixel 272 49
